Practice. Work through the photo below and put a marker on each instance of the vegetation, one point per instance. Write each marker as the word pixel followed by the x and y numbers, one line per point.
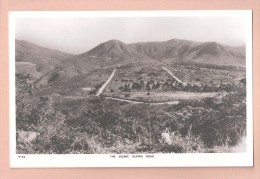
pixel 193 65
pixel 96 125
pixel 168 85
pixel 58 103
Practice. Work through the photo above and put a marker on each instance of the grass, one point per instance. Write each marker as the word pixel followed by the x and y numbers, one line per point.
pixel 204 76
pixel 82 143
pixel 162 96
pixel 95 125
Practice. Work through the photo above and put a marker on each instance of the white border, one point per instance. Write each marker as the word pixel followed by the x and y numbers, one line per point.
pixel 104 160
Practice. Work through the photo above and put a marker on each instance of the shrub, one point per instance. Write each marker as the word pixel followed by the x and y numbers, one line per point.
pixel 96 125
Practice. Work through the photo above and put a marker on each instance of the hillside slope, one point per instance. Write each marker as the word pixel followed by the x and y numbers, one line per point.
pixel 35 54
pixel 107 54
pixel 49 66
pixel 40 62
pixel 176 50
pixel 115 49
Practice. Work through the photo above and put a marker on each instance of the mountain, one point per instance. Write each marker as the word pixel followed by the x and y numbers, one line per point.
pixel 54 71
pixel 115 49
pixel 165 49
pixel 115 52
pixel 47 66
pixel 35 54
pixel 43 64
pixel 176 50
pixel 107 54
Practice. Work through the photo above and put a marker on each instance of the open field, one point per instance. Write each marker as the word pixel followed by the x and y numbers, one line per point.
pixel 209 76
pixel 130 73
pixel 194 76
pixel 162 96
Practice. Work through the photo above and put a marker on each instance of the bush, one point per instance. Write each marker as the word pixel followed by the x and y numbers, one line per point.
pixel 96 125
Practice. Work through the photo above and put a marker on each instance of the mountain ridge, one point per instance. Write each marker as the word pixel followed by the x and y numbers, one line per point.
pixel 185 50
pixel 34 49
pixel 57 72
pixel 114 49
pixel 115 52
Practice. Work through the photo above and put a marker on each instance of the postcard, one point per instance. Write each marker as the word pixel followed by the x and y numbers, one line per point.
pixel 131 88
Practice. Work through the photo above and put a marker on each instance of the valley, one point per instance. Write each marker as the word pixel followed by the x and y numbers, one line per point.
pixel 119 94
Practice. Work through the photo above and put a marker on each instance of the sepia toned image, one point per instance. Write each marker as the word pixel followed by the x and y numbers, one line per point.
pixel 132 84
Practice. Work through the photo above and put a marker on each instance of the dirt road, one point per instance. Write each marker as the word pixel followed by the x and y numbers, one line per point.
pixel 106 83
pixel 142 102
pixel 177 79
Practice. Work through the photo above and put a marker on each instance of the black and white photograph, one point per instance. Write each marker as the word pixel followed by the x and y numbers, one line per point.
pixel 135 88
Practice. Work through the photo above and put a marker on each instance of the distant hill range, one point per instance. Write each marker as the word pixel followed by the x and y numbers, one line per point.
pixel 52 65
pixel 188 51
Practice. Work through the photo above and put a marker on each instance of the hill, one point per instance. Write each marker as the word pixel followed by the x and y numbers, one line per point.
pixel 108 54
pixel 27 68
pixel 166 49
pixel 53 66
pixel 115 49
pixel 176 50
pixel 40 56
pixel 39 62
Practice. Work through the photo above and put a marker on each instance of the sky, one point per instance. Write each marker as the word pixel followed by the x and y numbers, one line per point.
pixel 78 35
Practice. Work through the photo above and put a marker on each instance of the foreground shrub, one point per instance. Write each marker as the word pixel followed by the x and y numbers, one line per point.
pixel 96 125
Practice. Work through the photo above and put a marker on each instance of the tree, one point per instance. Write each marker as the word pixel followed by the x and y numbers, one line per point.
pixel 127 95
pixel 148 88
pixel 31 111
pixel 126 87
pixel 24 101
